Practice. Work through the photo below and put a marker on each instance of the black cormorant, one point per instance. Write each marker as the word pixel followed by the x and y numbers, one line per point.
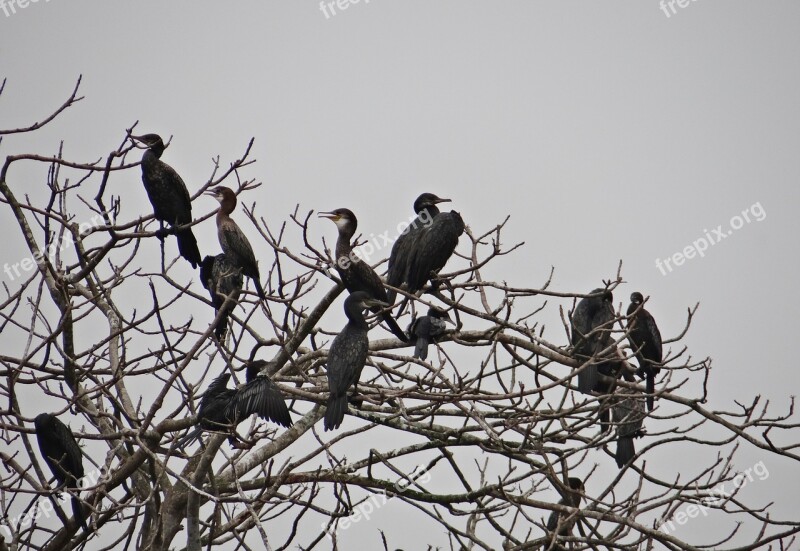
pixel 223 279
pixel 426 209
pixel 433 248
pixel 347 356
pixel 356 274
pixel 592 323
pixel 232 239
pixel 63 455
pixel 560 524
pixel 426 328
pixel 168 195
pixel 628 414
pixel 222 408
pixel 645 339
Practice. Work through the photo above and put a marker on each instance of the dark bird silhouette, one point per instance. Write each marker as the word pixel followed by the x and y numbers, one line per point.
pixel 645 339
pixel 433 248
pixel 355 273
pixel 406 243
pixel 560 524
pixel 426 328
pixel 63 456
pixel 222 408
pixel 223 279
pixel 592 322
pixel 628 414
pixel 168 195
pixel 347 356
pixel 232 239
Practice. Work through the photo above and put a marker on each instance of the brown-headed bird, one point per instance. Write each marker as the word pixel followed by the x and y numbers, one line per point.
pixel 232 239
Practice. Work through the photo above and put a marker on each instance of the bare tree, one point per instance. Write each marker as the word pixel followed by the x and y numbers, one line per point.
pixel 482 439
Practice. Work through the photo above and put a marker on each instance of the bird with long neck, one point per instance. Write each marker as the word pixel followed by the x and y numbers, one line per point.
pixel 232 239
pixel 168 195
pixel 347 356
pixel 399 259
pixel 645 339
pixel 355 273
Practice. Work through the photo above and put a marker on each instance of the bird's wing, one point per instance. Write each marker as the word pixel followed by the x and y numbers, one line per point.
pixel 71 460
pixel 262 397
pixel 655 336
pixel 346 359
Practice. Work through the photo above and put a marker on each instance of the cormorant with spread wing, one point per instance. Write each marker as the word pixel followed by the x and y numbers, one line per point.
pixel 168 195
pixel 222 408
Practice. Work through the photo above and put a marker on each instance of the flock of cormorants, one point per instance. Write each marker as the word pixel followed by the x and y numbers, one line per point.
pixel 416 258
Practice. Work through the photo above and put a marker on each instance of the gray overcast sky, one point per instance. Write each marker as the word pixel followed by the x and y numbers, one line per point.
pixel 607 130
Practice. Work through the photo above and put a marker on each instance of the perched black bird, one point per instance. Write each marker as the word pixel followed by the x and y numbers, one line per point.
pixel 347 356
pixel 63 455
pixel 592 322
pixel 232 239
pixel 628 414
pixel 356 274
pixel 645 339
pixel 560 524
pixel 222 408
pixel 223 279
pixel 168 195
pixel 426 209
pixel 426 328
pixel 433 248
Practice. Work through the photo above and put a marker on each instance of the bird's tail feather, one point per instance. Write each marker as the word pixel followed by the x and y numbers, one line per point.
pixel 334 414
pixel 77 511
pixel 187 246
pixel 189 438
pixel 588 378
pixel 625 451
pixel 259 289
pixel 393 327
pixel 421 348
pixel 651 388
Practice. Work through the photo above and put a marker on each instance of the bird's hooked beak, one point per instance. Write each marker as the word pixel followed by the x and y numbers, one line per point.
pixel 138 142
pixel 211 193
pixel 440 200
pixel 372 303
pixel 329 216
